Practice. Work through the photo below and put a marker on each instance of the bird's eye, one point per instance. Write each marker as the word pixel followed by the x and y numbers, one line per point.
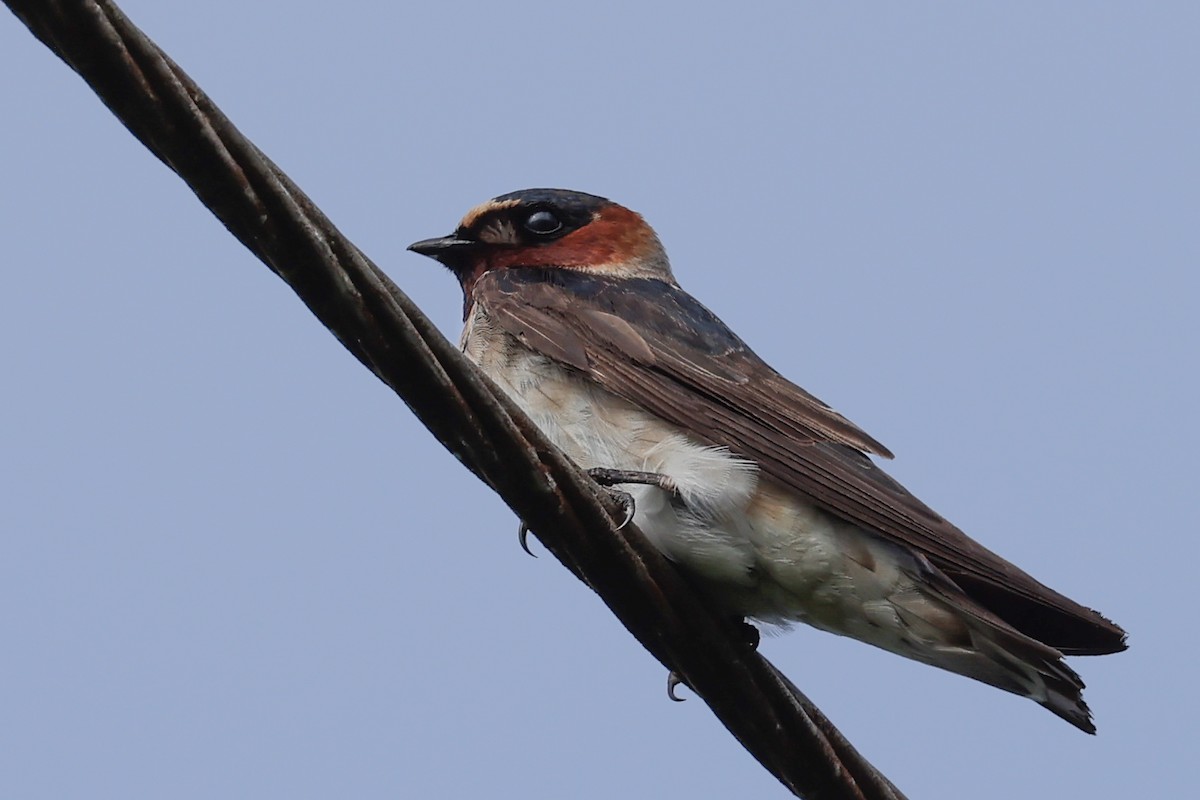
pixel 543 223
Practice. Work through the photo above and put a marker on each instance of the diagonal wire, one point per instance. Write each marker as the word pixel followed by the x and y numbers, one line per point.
pixel 376 322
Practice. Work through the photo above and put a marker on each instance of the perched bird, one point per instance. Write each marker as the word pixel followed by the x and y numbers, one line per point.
pixel 764 495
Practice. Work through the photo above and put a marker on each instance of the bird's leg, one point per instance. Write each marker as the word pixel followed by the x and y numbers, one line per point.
pixel 615 477
pixel 610 478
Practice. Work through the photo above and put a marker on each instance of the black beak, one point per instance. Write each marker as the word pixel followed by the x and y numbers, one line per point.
pixel 444 248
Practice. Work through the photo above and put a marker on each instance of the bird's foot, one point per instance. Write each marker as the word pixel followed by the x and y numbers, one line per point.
pixel 625 500
pixel 611 478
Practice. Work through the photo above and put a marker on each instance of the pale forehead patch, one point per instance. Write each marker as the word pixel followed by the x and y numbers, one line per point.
pixel 486 208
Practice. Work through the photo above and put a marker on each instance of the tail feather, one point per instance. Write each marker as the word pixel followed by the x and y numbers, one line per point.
pixel 964 637
pixel 1034 673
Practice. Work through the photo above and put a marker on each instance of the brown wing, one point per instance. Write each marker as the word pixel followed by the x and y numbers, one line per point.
pixel 655 345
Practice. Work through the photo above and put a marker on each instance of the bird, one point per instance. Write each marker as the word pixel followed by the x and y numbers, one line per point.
pixel 762 494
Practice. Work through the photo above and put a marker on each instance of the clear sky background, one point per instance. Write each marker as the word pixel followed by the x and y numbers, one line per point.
pixel 232 564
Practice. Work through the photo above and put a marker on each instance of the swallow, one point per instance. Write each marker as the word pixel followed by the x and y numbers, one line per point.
pixel 763 495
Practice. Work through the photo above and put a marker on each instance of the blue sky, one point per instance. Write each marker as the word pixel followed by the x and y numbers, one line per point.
pixel 233 565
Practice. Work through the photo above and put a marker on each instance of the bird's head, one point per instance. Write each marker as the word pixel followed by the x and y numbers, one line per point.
pixel 552 229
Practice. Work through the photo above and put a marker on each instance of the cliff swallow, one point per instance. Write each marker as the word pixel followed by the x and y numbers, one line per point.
pixel 769 501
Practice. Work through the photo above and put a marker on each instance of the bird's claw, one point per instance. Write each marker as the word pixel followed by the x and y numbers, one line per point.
pixel 523 538
pixel 675 679
pixel 625 500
